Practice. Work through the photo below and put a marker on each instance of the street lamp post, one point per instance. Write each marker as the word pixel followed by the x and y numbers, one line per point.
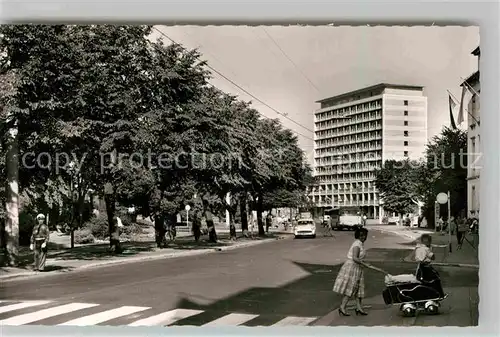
pixel 187 208
pixel 443 198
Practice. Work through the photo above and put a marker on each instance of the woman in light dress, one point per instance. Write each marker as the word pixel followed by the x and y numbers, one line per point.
pixel 350 280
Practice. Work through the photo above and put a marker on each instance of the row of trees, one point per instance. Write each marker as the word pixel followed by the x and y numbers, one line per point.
pixel 136 122
pixel 404 183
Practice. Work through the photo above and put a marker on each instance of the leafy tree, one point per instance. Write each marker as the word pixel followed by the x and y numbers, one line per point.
pixel 84 84
pixel 445 170
pixel 398 185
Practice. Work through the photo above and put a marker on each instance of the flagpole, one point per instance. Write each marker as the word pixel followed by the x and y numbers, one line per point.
pixel 455 99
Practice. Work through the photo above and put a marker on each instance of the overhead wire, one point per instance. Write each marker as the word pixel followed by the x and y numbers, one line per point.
pixel 246 92
pixel 290 59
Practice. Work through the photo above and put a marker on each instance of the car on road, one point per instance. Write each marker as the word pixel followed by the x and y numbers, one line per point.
pixel 305 228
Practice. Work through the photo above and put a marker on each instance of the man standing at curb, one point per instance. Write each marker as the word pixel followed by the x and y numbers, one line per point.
pixel 39 241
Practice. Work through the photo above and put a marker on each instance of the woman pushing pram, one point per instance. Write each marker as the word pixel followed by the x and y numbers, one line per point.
pixel 422 290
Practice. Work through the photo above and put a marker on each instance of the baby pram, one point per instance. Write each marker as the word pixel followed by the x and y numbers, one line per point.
pixel 422 291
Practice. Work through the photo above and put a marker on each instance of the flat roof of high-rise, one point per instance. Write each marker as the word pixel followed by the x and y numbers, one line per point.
pixel 373 87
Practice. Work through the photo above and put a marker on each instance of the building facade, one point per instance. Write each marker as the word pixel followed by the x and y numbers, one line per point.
pixel 473 140
pixel 355 133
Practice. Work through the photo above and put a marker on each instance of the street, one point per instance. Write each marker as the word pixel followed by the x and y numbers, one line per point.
pixel 287 282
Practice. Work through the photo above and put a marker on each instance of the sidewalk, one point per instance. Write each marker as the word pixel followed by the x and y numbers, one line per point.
pixel 94 256
pixel 459 309
pixel 466 257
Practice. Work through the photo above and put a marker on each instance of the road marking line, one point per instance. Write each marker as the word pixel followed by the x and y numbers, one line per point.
pixel 166 318
pixel 231 319
pixel 46 313
pixel 104 316
pixel 22 305
pixel 292 320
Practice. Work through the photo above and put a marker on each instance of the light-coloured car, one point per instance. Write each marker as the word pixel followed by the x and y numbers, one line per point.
pixel 305 228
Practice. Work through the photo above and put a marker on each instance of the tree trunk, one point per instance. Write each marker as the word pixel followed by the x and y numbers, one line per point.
pixel 244 214
pixel 159 230
pixel 212 234
pixel 12 199
pixel 232 226
pixel 196 226
pixel 114 231
pixel 260 222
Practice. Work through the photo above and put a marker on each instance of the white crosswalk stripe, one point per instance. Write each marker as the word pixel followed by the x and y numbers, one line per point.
pixel 166 318
pixel 297 321
pixel 231 320
pixel 46 313
pixel 22 305
pixel 123 314
pixel 104 316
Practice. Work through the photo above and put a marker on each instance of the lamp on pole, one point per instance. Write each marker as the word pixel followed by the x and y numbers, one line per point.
pixel 443 198
pixel 187 208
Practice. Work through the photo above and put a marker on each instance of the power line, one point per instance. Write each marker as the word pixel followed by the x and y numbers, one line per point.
pixel 291 61
pixel 246 92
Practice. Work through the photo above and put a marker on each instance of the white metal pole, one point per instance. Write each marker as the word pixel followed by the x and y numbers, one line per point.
pixel 449 221
pixel 436 217
pixel 228 201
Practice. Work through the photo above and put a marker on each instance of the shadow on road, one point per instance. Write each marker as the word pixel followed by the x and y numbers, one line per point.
pixel 312 295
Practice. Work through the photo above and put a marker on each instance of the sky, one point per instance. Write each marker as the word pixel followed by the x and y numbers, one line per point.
pixel 288 68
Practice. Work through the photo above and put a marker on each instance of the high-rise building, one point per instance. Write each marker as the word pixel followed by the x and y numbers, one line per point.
pixel 473 84
pixel 355 133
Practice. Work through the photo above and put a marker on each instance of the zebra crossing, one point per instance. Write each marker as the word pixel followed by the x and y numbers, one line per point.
pixel 52 313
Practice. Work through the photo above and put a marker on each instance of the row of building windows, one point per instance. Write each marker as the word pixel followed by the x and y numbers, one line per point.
pixel 362 127
pixel 347 198
pixel 352 108
pixel 347 149
pixel 335 187
pixel 352 158
pixel 352 120
pixel 346 177
pixel 360 137
pixel 348 168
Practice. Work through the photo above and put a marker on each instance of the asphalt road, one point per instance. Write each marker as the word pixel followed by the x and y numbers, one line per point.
pixel 287 282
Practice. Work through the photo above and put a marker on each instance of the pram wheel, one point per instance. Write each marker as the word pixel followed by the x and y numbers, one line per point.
pixel 408 309
pixel 432 307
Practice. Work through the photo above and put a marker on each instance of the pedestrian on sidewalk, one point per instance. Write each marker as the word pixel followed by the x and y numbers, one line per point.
pixel 462 229
pixel 39 240
pixel 269 222
pixel 453 225
pixel 350 280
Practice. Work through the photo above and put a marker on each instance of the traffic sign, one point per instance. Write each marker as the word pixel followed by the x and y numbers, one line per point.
pixel 442 198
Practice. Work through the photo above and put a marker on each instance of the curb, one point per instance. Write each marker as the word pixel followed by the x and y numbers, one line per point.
pixel 451 264
pixel 398 233
pixel 139 259
pixel 443 264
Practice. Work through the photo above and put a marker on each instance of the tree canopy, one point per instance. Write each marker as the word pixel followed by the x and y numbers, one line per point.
pixel 444 170
pixel 136 122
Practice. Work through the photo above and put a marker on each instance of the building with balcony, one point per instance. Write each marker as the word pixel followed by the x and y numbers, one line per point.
pixel 474 139
pixel 355 133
